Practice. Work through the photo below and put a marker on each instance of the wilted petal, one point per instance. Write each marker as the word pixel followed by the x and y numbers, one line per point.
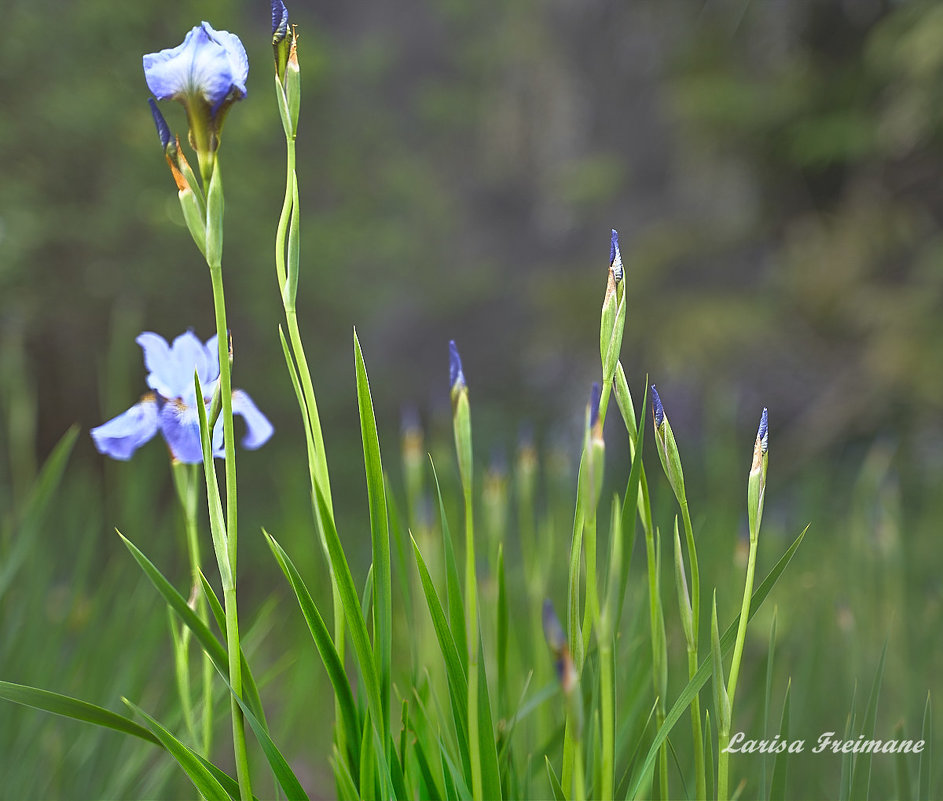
pixel 258 428
pixel 121 436
pixel 180 425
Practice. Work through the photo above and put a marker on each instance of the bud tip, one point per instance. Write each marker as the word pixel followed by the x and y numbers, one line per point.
pixel 657 409
pixel 456 376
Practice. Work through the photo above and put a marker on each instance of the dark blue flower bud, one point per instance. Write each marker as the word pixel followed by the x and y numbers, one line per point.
pixel 615 257
pixel 657 409
pixel 279 21
pixel 762 434
pixel 456 376
pixel 163 130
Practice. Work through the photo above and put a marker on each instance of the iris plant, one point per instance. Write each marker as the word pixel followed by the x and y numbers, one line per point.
pixel 171 406
pixel 207 73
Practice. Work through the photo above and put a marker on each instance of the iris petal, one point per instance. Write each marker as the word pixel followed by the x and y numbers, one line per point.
pixel 207 63
pixel 121 436
pixel 180 425
pixel 235 53
pixel 157 361
pixel 258 428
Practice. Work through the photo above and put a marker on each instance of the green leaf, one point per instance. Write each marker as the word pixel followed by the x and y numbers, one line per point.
pixel 490 772
pixel 768 694
pixel 454 670
pixel 325 645
pixel 379 538
pixel 708 755
pixel 280 768
pixel 68 707
pixel 249 687
pixel 453 589
pixel 926 734
pixel 501 627
pixel 902 777
pixel 704 670
pixel 777 789
pixel 213 648
pixel 861 775
pixel 205 782
pixel 345 782
pixel 555 787
pixel 34 509
pixel 355 621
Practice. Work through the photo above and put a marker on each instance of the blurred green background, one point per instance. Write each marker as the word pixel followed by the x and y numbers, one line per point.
pixel 773 170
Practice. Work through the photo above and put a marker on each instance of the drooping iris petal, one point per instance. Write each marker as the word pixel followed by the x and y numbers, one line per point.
pixel 208 64
pixel 180 425
pixel 121 436
pixel 258 428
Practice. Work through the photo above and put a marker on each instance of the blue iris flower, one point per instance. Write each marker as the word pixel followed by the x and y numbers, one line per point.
pixel 171 405
pixel 207 73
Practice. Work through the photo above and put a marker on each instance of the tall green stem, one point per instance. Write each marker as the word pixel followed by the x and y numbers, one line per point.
pixel 723 734
pixel 214 254
pixel 700 775
pixel 471 623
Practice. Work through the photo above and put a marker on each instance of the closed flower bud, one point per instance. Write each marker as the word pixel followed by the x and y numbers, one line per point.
pixel 756 484
pixel 461 416
pixel 612 322
pixel 668 448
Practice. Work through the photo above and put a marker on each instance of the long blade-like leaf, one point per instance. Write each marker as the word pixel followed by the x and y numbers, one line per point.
pixel 69 707
pixel 704 670
pixel 325 645
pixel 204 781
pixel 861 775
pixel 379 538
pixel 777 789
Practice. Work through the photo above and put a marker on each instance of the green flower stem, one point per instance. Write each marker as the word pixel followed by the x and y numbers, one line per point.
pixel 287 263
pixel 591 610
pixel 659 655
pixel 700 776
pixel 607 705
pixel 723 732
pixel 471 616
pixel 214 253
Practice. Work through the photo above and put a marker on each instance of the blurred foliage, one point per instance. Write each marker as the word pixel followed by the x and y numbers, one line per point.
pixel 773 171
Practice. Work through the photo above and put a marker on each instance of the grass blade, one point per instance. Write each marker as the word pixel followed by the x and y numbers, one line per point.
pixel 926 734
pixel 704 671
pixel 902 772
pixel 325 645
pixel 279 765
pixel 777 788
pixel 861 775
pixel 453 589
pixel 68 707
pixel 205 782
pixel 555 787
pixel 380 541
pixel 455 672
pixel 355 621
